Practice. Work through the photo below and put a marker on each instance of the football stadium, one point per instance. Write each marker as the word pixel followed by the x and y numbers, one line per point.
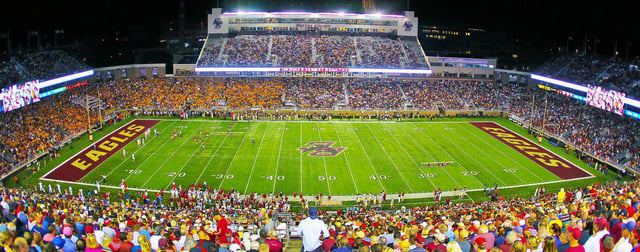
pixel 309 131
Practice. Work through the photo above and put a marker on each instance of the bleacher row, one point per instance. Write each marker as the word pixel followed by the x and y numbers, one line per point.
pixel 19 67
pixel 586 69
pixel 45 124
pixel 594 218
pixel 312 51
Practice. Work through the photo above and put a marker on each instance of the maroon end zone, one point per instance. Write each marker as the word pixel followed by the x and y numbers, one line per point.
pixel 549 160
pixel 84 162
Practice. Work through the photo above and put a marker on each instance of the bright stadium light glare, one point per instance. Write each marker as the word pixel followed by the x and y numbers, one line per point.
pixel 631 102
pixel 278 69
pixel 63 79
pixel 560 83
pixel 237 69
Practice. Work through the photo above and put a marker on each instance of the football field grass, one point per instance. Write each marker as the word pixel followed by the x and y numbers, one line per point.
pixel 332 158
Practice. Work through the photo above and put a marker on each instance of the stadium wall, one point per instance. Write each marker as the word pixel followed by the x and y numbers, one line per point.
pixel 129 72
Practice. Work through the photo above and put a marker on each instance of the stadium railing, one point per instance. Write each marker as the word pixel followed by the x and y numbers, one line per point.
pixel 619 167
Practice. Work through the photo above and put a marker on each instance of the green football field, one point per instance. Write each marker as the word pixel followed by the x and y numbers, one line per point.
pixel 333 158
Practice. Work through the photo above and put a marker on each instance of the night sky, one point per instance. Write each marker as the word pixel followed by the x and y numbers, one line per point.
pixel 540 20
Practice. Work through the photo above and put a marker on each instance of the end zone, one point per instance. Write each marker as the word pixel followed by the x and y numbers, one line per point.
pixel 76 167
pixel 543 157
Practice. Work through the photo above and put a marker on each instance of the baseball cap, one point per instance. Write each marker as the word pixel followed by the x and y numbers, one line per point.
pixel 234 247
pixel 602 223
pixel 481 241
pixel 162 243
pixel 313 213
pixel 66 231
pixel 404 244
pixel 88 229
pixel 575 232
pixel 464 233
pixel 58 242
pixel 629 226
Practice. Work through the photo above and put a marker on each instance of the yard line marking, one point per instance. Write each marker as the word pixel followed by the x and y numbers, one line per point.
pixel 149 157
pixel 168 158
pixel 431 157
pixel 517 162
pixel 324 162
pixel 300 159
pixel 370 163
pixel 211 158
pixel 348 165
pixel 474 159
pixel 193 154
pixel 284 127
pixel 386 153
pixel 255 159
pixel 410 157
pixel 125 159
pixel 234 157
pixel 491 157
pixel 449 154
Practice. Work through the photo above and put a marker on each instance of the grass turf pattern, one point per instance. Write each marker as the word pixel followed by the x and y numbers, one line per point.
pixel 264 157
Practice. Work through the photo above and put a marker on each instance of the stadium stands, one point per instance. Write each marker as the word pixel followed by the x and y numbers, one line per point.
pixel 312 51
pixel 610 73
pixel 201 217
pixel 611 138
pixel 42 65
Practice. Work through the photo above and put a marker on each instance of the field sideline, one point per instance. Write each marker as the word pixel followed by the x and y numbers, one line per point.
pixel 378 156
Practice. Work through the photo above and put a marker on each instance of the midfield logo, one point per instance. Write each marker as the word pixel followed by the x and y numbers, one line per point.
pixel 322 149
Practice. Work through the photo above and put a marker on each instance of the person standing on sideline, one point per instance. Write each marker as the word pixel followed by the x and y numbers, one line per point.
pixel 311 229
pixel 253 140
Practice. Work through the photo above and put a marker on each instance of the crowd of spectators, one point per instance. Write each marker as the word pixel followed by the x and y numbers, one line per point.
pixel 246 50
pixel 33 129
pixel 317 93
pixel 336 51
pixel 374 94
pixel 587 69
pixel 304 50
pixel 36 128
pixel 19 67
pixel 597 217
pixel 292 50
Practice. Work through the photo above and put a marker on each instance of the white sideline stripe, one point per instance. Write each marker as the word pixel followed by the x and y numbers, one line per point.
pixel 125 158
pixel 169 157
pixel 343 197
pixel 212 156
pixel 89 146
pixel 373 168
pixel 389 157
pixel 185 164
pixel 255 159
pixel 474 159
pixel 592 176
pixel 491 157
pixel 347 160
pixel 300 160
pixel 234 156
pixel 430 156
pixel 509 157
pixel 410 157
pixel 324 162
pixel 147 158
pixel 448 154
pixel 284 127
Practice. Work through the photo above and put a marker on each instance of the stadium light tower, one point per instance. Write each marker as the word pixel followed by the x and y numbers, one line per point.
pixel 368 6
